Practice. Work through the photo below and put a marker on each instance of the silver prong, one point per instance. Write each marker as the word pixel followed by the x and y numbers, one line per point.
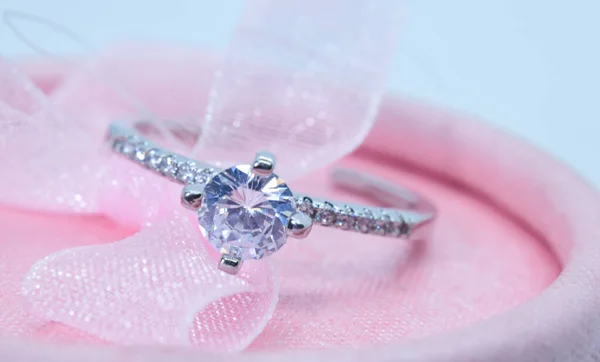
pixel 191 196
pixel 230 264
pixel 299 225
pixel 264 163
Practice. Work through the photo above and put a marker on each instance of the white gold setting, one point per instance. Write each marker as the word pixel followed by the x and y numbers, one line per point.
pixel 248 212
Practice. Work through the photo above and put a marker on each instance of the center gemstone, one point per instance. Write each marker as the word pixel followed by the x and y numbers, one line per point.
pixel 244 214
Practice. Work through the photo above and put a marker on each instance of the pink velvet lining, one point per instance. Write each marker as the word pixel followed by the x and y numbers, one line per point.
pixel 510 216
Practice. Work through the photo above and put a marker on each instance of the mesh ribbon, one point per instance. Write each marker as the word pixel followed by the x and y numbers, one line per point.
pixel 295 82
pixel 305 78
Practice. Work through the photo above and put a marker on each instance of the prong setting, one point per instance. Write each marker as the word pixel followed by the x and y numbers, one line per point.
pixel 191 196
pixel 299 225
pixel 230 264
pixel 264 163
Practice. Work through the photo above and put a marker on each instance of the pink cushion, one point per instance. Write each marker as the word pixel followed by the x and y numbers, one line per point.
pixel 509 275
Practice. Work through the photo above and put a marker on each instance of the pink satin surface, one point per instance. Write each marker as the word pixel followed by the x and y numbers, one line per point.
pixel 484 288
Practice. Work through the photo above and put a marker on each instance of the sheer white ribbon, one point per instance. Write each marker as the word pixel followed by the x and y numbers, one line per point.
pixel 301 79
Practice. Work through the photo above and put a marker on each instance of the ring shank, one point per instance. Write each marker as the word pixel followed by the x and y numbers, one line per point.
pixel 408 214
pixel 416 212
pixel 383 192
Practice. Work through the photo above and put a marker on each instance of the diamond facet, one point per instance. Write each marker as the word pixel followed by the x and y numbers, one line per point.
pixel 203 176
pixel 325 214
pixel 168 166
pixel 246 214
pixel 346 219
pixel 140 153
pixel 305 205
pixel 154 159
pixel 186 172
pixel 383 224
pixel 365 221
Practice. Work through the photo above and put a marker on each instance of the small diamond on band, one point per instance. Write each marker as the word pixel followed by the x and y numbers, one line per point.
pixel 346 218
pixel 325 213
pixel 186 172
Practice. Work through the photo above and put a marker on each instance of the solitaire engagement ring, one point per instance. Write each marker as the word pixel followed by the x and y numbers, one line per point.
pixel 248 212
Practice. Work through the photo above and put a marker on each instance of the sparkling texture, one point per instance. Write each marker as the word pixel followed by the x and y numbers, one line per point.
pixel 154 158
pixel 383 225
pixel 305 205
pixel 245 214
pixel 365 221
pixel 140 153
pixel 325 214
pixel 203 176
pixel 108 289
pixel 186 172
pixel 298 111
pixel 168 166
pixel 129 147
pixel 346 219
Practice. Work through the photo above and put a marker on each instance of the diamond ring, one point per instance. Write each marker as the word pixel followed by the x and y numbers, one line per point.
pixel 248 212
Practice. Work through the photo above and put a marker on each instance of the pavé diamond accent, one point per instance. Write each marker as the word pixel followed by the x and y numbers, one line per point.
pixel 203 176
pixel 368 220
pixel 365 221
pixel 186 172
pixel 245 213
pixel 393 228
pixel 128 146
pixel 345 219
pixel 382 224
pixel 140 153
pixel 168 166
pixel 305 205
pixel 153 159
pixel 325 214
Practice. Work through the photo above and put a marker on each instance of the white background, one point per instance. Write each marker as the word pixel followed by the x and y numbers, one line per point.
pixel 528 65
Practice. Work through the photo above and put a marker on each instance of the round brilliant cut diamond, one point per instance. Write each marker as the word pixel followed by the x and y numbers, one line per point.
pixel 246 214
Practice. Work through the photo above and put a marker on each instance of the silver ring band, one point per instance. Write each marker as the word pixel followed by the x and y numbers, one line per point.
pixel 410 215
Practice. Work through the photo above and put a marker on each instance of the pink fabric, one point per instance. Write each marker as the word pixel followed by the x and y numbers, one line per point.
pixel 459 298
pixel 155 287
pixel 320 80
pixel 112 290
pixel 158 286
